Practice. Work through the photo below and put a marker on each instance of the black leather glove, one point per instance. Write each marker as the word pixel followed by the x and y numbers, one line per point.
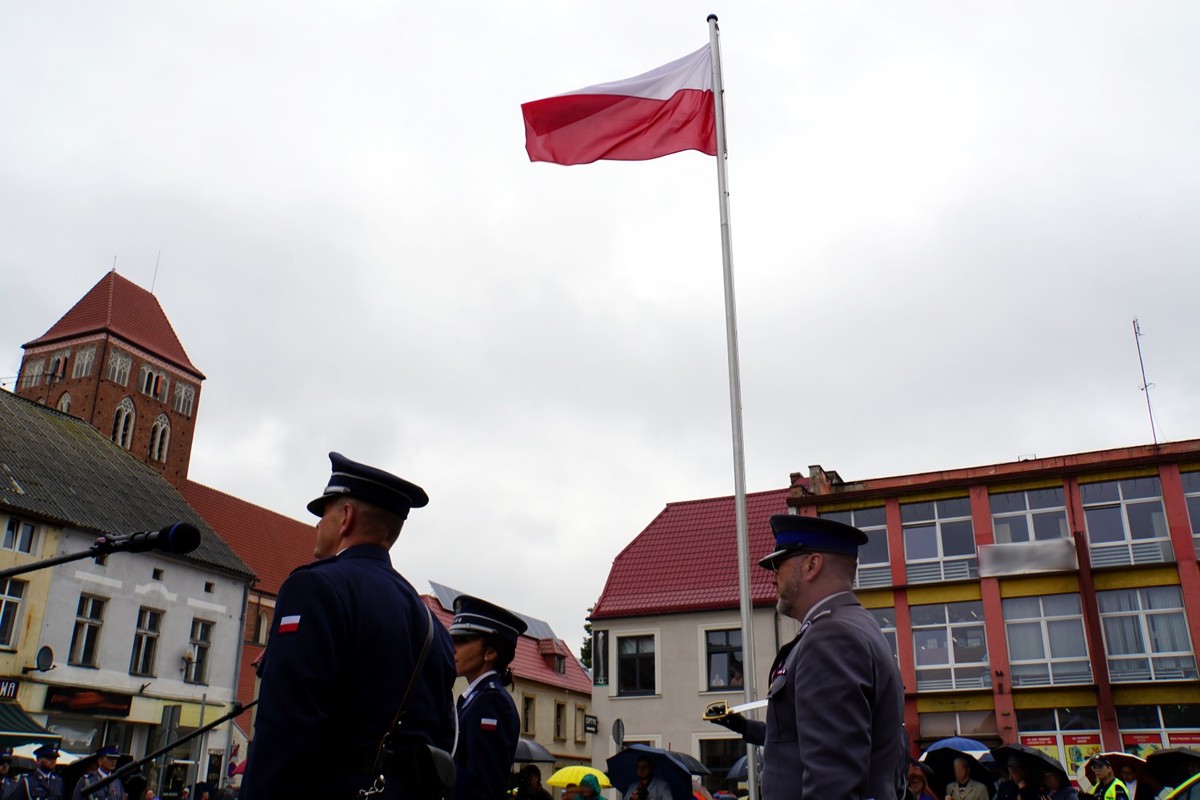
pixel 735 722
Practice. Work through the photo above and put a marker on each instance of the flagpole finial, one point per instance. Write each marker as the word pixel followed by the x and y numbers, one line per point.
pixel 712 18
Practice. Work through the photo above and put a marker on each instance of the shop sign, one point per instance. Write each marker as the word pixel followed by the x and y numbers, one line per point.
pixel 8 688
pixel 72 700
pixel 1179 739
pixel 591 724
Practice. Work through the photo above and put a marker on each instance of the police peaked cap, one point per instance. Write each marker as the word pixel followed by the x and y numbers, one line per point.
pixel 109 751
pixel 48 750
pixel 475 617
pixel 374 486
pixel 796 534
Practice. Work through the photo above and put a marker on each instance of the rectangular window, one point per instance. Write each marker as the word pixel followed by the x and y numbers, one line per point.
pixel 1046 642
pixel 939 540
pixel 11 593
pixel 85 639
pixel 874 567
pixel 886 618
pixel 1031 516
pixel 19 535
pixel 145 642
pixel 600 658
pixel 119 365
pixel 1075 732
pixel 720 754
pixel 949 645
pixel 85 358
pixel 724 657
pixel 560 721
pixel 580 723
pixel 635 665
pixel 197 657
pixel 528 712
pixel 1145 635
pixel 1125 522
pixel 1191 496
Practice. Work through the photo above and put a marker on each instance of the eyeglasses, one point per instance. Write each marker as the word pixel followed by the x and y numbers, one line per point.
pixel 778 562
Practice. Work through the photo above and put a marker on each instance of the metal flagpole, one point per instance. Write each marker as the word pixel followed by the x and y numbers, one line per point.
pixel 749 673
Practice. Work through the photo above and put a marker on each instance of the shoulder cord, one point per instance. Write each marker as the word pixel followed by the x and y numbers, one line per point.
pixel 384 754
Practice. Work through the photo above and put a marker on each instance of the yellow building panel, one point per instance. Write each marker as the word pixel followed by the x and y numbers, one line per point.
pixel 1024 486
pixel 1152 695
pixel 1189 467
pixel 1039 585
pixel 925 497
pixel 943 593
pixel 876 598
pixel 957 702
pixel 1055 698
pixel 1135 578
pixel 853 505
pixel 1118 474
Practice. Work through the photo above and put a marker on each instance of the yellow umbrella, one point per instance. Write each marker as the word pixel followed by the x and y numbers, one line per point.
pixel 569 775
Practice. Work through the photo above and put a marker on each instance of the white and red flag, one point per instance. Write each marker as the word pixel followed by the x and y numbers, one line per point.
pixel 666 110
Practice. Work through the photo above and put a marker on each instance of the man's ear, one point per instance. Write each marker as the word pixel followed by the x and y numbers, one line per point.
pixel 347 514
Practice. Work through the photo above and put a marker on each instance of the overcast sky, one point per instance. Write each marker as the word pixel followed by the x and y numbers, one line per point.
pixel 945 217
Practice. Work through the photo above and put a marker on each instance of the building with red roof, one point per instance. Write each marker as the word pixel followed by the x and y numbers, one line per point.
pixel 551 689
pixel 1052 602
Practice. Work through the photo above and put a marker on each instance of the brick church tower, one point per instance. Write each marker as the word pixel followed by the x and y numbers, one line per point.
pixel 114 361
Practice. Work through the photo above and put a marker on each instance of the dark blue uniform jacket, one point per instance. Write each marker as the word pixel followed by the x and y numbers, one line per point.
pixel 35 785
pixel 346 636
pixel 487 742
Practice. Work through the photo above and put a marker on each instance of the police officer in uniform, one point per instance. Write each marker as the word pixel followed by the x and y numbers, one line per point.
pixel 7 782
pixel 42 783
pixel 106 762
pixel 344 644
pixel 485 641
pixel 1108 785
pixel 835 704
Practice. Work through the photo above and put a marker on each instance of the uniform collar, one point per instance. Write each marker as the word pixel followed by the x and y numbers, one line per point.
pixel 365 551
pixel 831 601
pixel 473 685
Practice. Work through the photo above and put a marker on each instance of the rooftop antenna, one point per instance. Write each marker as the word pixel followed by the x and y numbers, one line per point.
pixel 114 269
pixel 155 278
pixel 1146 386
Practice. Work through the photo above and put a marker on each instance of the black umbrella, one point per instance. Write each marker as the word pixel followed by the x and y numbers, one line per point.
pixel 622 770
pixel 941 761
pixel 529 751
pixel 738 772
pixel 1033 760
pixel 1174 765
pixel 694 765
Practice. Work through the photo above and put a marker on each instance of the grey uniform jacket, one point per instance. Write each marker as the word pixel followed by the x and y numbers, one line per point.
pixel 834 720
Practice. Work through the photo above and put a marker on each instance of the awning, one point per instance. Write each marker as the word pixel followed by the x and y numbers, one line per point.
pixel 18 728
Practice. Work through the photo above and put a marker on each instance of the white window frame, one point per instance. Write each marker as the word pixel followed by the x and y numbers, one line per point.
pixel 17 527
pixel 11 604
pixel 124 419
pixel 614 677
pixel 119 366
pixel 1191 498
pixel 1044 622
pixel 31 375
pixel 160 439
pixel 145 637
pixel 702 648
pixel 893 640
pixel 183 399
pixel 1131 549
pixel 870 574
pixel 982 669
pixel 199 652
pixel 87 628
pixel 1029 514
pixel 940 568
pixel 1164 665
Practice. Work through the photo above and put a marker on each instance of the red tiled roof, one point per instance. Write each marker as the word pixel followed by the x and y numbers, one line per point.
pixel 272 544
pixel 686 559
pixel 121 307
pixel 529 663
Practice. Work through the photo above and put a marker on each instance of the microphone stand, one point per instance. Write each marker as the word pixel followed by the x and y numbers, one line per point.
pixel 102 547
pixel 133 766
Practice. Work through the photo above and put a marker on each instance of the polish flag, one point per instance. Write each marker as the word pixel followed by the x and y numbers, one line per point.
pixel 666 110
pixel 289 624
pixel 487 724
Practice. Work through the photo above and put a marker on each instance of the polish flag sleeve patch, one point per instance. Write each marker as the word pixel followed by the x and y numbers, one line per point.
pixel 487 724
pixel 289 624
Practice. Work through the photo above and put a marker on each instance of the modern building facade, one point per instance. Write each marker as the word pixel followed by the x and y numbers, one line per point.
pixel 1053 602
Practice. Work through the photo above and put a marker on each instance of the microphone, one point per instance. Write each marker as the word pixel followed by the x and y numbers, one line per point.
pixel 179 538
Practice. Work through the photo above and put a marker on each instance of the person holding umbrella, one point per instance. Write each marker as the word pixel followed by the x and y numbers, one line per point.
pixel 1057 787
pixel 963 787
pixel 647 787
